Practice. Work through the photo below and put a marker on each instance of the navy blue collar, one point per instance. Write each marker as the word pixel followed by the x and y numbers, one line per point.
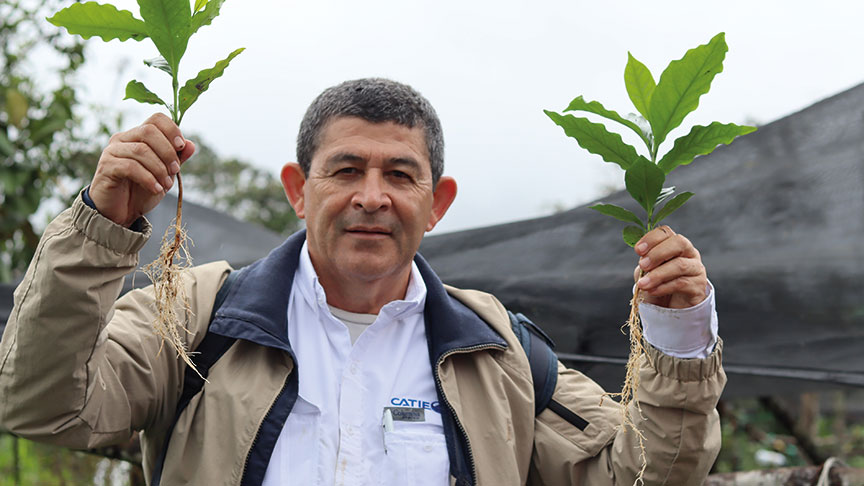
pixel 256 308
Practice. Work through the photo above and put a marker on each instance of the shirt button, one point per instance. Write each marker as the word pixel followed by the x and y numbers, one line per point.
pixel 353 368
pixel 349 431
pixel 427 448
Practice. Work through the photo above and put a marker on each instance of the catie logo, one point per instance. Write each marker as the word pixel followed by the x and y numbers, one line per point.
pixel 413 402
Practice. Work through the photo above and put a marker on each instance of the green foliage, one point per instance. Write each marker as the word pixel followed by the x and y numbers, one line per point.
pixel 595 138
pixel 674 204
pixel 617 212
pixel 193 88
pixel 23 462
pixel 43 155
pixel 639 83
pixel 106 21
pixel 204 17
pixel 632 234
pixel 137 91
pixel 579 104
pixel 682 84
pixel 700 141
pixel 169 24
pixel 239 189
pixel 663 106
pixel 644 181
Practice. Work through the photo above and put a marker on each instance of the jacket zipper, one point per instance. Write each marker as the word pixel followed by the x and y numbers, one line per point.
pixel 467 349
pixel 258 432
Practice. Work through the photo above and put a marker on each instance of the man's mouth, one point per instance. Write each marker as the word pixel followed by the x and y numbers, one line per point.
pixel 370 231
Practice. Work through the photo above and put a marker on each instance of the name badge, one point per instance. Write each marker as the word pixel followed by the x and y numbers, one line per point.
pixel 406 414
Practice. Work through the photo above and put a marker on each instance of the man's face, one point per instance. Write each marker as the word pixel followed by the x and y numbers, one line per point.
pixel 368 199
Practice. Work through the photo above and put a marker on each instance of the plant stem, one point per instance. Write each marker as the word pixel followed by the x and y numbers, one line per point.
pixel 175 85
pixel 169 258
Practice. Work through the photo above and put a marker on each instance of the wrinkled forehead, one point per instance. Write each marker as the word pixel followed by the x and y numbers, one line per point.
pixel 350 137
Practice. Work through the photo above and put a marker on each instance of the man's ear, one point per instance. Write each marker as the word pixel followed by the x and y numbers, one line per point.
pixel 442 198
pixel 293 180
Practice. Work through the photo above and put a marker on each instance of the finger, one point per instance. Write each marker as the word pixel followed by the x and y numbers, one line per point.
pixel 159 144
pixel 671 270
pixel 126 169
pixel 146 158
pixel 691 289
pixel 652 238
pixel 159 127
pixel 188 151
pixel 169 128
pixel 672 247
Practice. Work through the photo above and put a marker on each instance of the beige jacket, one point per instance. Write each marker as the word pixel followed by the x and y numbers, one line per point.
pixel 81 370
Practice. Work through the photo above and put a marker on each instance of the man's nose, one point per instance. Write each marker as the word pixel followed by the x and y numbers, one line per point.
pixel 372 194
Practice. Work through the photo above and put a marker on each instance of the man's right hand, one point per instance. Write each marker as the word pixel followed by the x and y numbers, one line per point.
pixel 137 168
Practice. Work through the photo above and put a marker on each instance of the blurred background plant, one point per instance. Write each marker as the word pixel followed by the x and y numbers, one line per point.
pixel 43 153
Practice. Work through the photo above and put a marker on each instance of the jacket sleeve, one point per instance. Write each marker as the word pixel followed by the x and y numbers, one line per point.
pixel 76 368
pixel 678 418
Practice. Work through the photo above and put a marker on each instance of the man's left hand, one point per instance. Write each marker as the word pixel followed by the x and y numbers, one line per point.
pixel 674 276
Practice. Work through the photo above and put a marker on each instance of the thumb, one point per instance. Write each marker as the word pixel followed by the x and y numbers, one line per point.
pixel 188 151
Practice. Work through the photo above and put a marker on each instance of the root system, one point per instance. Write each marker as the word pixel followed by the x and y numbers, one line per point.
pixel 631 379
pixel 166 273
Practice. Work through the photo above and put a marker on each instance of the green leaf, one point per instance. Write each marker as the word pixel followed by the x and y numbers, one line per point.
pixel 43 133
pixel 136 90
pixel 579 104
pixel 640 84
pixel 16 107
pixel 632 235
pixel 159 63
pixel 6 147
pixel 93 19
pixel 672 205
pixel 595 138
pixel 207 15
pixel 617 212
pixel 701 141
pixel 168 24
pixel 682 84
pixel 644 181
pixel 199 4
pixel 193 88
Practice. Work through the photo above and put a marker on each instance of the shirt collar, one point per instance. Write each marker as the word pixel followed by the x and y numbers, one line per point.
pixel 306 281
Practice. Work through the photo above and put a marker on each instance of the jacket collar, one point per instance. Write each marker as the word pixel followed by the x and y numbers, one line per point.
pixel 256 307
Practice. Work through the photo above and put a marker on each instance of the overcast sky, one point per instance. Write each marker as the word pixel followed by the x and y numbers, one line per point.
pixel 490 68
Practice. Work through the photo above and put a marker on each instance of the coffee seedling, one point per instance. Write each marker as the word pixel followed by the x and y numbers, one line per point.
pixel 169 24
pixel 663 106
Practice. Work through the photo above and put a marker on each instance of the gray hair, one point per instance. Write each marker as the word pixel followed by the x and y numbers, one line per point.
pixel 375 100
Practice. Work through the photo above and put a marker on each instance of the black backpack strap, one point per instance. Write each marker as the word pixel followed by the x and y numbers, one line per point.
pixel 542 359
pixel 211 348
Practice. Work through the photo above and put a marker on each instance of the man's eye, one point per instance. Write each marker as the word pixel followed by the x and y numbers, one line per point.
pixel 400 175
pixel 347 171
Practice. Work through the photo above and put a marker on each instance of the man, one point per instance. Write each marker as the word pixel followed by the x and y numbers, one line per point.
pixel 353 364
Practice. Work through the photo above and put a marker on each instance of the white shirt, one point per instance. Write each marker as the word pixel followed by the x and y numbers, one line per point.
pixel 367 413
pixel 334 434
